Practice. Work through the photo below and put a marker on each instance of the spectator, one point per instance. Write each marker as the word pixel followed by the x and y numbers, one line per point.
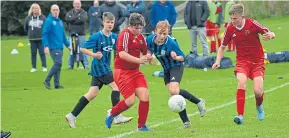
pixel 163 10
pixel 148 28
pixel 53 38
pixel 227 21
pixel 33 26
pixel 195 16
pixel 76 19
pixel 136 6
pixel 219 20
pixel 94 24
pixel 211 25
pixel 116 10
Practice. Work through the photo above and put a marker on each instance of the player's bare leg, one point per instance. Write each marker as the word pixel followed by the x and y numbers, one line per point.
pixel 259 95
pixel 83 101
pixel 115 96
pixel 240 98
pixel 143 94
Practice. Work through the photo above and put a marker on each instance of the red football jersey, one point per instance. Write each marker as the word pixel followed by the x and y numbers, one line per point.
pixel 247 40
pixel 131 44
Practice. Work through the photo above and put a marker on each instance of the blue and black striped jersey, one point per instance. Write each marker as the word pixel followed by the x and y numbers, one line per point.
pixel 104 44
pixel 163 52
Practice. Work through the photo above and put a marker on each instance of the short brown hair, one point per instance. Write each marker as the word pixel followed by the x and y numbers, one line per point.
pixel 163 25
pixel 136 19
pixel 108 16
pixel 237 9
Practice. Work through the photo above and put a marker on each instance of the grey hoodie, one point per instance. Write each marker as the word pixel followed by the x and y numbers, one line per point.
pixel 116 10
pixel 33 26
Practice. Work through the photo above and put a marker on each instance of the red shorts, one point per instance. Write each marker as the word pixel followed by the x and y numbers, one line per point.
pixel 210 28
pixel 128 80
pixel 250 69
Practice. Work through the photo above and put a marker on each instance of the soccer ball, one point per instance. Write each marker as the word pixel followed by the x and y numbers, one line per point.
pixel 177 103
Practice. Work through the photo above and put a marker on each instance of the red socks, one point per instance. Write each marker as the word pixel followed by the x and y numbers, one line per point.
pixel 240 101
pixel 120 107
pixel 143 109
pixel 213 46
pixel 259 100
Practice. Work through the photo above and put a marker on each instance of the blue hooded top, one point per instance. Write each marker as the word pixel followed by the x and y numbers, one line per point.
pixel 161 12
pixel 53 34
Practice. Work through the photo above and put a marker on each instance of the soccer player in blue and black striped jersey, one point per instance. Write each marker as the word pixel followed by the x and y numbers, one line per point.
pixel 167 51
pixel 102 43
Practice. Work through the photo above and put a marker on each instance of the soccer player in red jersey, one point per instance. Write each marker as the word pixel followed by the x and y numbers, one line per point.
pixel 250 57
pixel 127 75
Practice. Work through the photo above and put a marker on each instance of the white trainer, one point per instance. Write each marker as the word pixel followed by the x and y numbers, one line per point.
pixel 44 69
pixel 202 107
pixel 120 118
pixel 33 70
pixel 71 119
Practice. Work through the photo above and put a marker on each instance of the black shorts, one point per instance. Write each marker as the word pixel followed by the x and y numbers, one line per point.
pixel 99 81
pixel 175 74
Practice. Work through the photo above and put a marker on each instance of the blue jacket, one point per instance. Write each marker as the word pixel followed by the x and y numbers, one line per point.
pixel 139 7
pixel 163 12
pixel 53 34
pixel 92 13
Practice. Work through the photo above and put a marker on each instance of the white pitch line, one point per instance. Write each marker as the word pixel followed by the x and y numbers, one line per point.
pixel 208 110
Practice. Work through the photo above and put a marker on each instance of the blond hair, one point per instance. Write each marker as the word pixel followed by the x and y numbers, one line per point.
pixel 33 6
pixel 163 25
pixel 237 9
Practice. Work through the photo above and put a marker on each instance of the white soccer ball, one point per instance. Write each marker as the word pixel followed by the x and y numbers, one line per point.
pixel 177 103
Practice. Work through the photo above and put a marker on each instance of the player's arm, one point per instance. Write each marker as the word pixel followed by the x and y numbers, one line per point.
pixel 267 34
pixel 150 58
pixel 227 38
pixel 122 48
pixel 220 54
pixel 176 52
pixel 89 44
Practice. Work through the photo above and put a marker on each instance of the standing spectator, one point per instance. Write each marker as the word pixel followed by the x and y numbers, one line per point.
pixel 116 10
pixel 163 10
pixel 148 28
pixel 219 20
pixel 53 38
pixel 94 24
pixel 33 26
pixel 76 19
pixel 136 6
pixel 227 21
pixel 211 25
pixel 195 16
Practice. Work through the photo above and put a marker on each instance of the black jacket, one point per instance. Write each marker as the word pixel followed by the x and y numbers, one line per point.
pixel 202 13
pixel 76 21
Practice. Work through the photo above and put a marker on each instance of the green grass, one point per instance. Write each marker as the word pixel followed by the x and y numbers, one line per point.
pixel 39 113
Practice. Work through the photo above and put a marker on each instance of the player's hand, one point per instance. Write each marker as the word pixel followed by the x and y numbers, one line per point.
pixel 215 66
pixel 174 55
pixel 149 56
pixel 268 36
pixel 143 59
pixel 46 50
pixel 97 55
pixel 218 26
